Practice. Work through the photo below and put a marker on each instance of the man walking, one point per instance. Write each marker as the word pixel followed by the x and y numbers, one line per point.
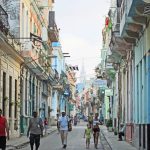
pixel 36 130
pixel 63 126
pixel 4 131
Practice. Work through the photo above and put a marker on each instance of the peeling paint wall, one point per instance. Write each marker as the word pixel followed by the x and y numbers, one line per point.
pixel 12 7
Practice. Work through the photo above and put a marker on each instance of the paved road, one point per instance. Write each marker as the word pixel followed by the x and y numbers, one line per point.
pixel 75 141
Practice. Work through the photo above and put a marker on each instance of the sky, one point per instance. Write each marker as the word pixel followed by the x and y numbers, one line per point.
pixel 80 23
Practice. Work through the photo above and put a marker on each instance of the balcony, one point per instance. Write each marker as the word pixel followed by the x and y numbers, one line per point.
pixel 53 32
pixel 8 44
pixel 54 79
pixel 4 25
pixel 134 18
pixel 32 59
pixel 118 46
pixel 29 51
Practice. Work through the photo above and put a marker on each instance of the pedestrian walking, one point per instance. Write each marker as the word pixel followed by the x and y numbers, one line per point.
pixel 90 120
pixel 45 125
pixel 75 120
pixel 87 135
pixel 4 131
pixel 36 130
pixel 96 130
pixel 63 125
pixel 57 119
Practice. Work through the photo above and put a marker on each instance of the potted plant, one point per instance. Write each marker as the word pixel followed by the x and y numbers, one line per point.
pixel 5 98
pixel 109 124
pixel 115 131
pixel 11 103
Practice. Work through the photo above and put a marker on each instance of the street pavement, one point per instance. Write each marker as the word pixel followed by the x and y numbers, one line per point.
pixel 75 141
pixel 112 141
pixel 107 141
pixel 23 141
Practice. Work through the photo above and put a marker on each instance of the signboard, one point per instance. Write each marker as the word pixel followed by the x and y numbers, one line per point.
pixel 108 92
pixel 67 93
pixel 100 83
pixel 109 65
pixel 56 44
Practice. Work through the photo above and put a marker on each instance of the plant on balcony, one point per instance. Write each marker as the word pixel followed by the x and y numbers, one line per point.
pixel 111 74
pixel 5 98
pixel 17 103
pixel 109 123
pixel 11 103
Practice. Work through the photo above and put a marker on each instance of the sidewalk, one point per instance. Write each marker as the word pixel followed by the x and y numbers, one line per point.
pixel 113 141
pixel 23 140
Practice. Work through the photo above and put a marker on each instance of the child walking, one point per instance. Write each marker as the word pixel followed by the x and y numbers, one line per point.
pixel 87 135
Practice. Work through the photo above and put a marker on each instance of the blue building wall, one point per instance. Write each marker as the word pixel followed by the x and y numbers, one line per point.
pixel 58 63
pixel 142 83
pixel 54 104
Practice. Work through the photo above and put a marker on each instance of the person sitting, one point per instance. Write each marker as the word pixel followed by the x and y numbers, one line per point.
pixel 121 132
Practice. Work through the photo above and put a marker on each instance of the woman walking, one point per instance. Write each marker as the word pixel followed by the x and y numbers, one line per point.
pixel 96 130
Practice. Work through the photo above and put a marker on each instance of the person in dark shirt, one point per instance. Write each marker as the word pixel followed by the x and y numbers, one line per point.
pixel 96 129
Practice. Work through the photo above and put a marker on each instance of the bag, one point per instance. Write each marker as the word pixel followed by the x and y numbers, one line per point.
pixel 69 126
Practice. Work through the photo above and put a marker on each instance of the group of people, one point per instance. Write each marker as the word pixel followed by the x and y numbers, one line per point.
pixel 92 127
pixel 35 130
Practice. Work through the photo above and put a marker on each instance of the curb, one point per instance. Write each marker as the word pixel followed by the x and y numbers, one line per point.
pixel 13 147
pixel 108 141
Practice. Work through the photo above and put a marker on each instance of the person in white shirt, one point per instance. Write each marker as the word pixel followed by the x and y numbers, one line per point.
pixel 63 128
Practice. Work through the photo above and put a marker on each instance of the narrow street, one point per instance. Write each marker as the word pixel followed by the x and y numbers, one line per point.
pixel 75 141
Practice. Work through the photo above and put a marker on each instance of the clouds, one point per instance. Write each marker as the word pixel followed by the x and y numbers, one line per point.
pixel 80 23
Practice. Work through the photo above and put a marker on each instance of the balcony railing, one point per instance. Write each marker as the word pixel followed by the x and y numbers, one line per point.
pixel 52 28
pixel 29 51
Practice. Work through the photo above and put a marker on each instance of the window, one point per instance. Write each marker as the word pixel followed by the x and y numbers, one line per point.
pixel 26 101
pixel 10 96
pixel 4 93
pixel 15 115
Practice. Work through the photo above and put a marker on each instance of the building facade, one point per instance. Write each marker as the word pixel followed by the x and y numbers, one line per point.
pixel 33 26
pixel 10 61
pixel 129 47
pixel 134 28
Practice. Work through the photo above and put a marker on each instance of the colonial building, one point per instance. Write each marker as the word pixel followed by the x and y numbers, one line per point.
pixel 129 45
pixel 71 100
pixel 32 24
pixel 134 28
pixel 10 61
